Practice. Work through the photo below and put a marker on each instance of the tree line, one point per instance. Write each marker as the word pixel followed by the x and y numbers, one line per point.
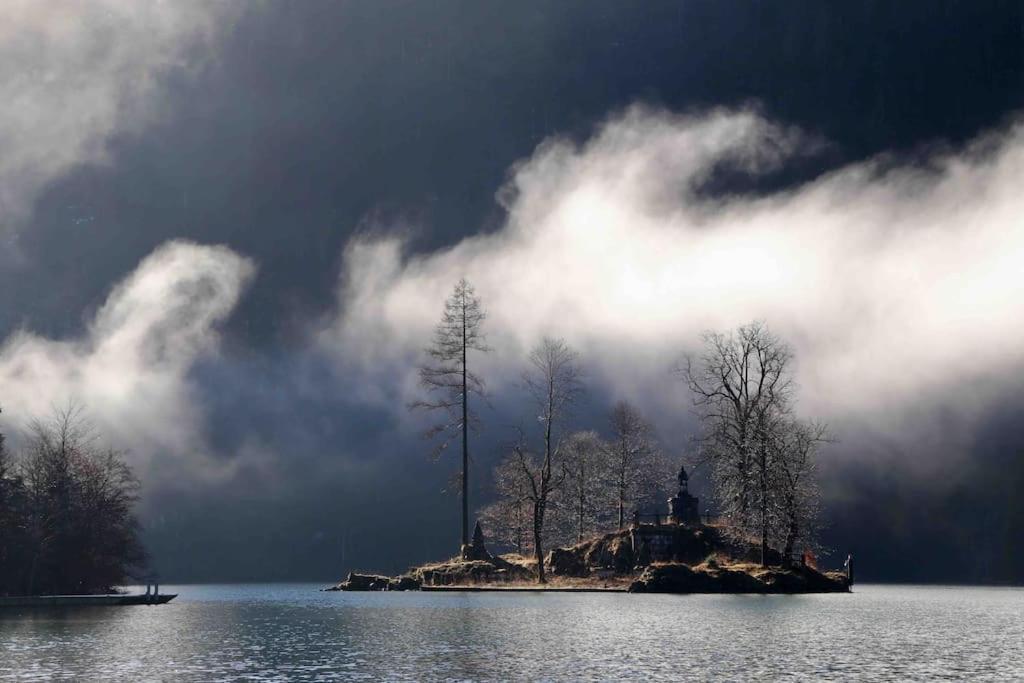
pixel 569 489
pixel 557 485
pixel 67 524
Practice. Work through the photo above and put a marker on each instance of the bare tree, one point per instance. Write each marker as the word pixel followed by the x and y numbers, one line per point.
pixel 449 381
pixel 741 386
pixel 554 382
pixel 637 467
pixel 13 540
pixel 78 509
pixel 799 496
pixel 586 464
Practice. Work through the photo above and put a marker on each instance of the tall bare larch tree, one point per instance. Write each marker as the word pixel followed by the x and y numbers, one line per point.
pixel 449 382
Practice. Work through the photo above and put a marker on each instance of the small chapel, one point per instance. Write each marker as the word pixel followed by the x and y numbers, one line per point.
pixel 683 507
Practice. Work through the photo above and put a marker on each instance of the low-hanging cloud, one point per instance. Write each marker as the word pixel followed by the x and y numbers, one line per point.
pixel 130 369
pixel 899 285
pixel 74 73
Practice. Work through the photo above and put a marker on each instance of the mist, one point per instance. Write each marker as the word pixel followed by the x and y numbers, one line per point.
pixel 231 250
pixel 886 277
pixel 76 74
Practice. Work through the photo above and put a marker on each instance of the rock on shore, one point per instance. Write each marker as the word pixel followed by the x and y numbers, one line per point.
pixel 458 572
pixel 454 572
pixel 686 544
pixel 711 578
pixel 660 558
pixel 375 582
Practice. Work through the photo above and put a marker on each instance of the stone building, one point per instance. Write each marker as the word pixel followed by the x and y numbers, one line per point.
pixel 662 542
pixel 682 507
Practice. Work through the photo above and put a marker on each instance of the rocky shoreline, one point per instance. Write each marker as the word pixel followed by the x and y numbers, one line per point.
pixel 641 559
pixel 711 578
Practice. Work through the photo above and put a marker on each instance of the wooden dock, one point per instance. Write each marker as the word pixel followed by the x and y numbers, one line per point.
pixel 112 599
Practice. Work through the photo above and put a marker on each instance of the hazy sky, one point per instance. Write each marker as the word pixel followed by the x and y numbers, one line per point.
pixel 230 227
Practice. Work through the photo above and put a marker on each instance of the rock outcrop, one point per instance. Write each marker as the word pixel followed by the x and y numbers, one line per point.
pixel 711 578
pixel 457 572
pixel 375 582
pixel 566 562
pixel 476 550
pixel 624 551
pixel 612 551
pixel 658 558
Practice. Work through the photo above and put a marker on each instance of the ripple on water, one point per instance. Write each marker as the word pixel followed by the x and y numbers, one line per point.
pixel 293 632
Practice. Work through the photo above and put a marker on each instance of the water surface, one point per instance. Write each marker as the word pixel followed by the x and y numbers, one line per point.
pixel 294 632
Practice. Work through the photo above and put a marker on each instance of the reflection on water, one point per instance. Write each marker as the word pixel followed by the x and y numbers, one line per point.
pixel 293 632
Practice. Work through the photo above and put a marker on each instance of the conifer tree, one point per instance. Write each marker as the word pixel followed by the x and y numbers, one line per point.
pixel 449 382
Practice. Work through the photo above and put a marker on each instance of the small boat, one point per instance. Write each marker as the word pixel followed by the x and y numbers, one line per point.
pixel 87 600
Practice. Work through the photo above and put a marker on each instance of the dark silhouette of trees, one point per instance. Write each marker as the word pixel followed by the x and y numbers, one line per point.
pixel 67 524
pixel 449 381
pixel 13 525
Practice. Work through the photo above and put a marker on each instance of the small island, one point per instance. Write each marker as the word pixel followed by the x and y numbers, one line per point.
pixel 555 484
pixel 677 553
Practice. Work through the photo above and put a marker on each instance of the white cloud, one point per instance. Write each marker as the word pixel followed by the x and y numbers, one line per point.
pixel 72 73
pixel 130 369
pixel 901 289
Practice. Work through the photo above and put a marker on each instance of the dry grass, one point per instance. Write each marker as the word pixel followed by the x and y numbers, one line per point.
pixel 444 564
pixel 529 564
pixel 557 583
pixel 524 561
pixel 715 563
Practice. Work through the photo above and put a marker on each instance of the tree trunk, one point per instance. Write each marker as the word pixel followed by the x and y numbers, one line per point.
pixel 787 554
pixel 764 498
pixel 764 508
pixel 579 529
pixel 764 542
pixel 519 530
pixel 622 498
pixel 794 530
pixel 538 551
pixel 545 477
pixel 465 437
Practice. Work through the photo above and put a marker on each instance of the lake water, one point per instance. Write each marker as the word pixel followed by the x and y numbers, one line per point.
pixel 294 632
